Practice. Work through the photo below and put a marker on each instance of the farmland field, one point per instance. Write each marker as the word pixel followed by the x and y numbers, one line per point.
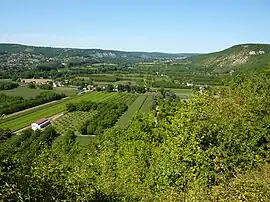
pixel 23 91
pixel 27 92
pixel 147 105
pixel 73 120
pixel 22 120
pixel 122 82
pixel 68 91
pixel 25 119
pixel 5 80
pixel 182 93
pixel 132 110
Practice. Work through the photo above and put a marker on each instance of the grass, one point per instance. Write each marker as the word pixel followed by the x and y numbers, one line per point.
pixel 82 139
pixel 5 80
pixel 182 93
pixel 66 90
pixel 126 82
pixel 27 92
pixel 123 82
pixel 23 91
pixel 132 110
pixel 147 105
pixel 22 120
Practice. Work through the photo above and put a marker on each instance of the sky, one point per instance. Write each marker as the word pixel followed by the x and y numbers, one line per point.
pixel 173 26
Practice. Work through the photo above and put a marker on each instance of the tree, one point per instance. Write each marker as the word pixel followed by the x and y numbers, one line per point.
pixel 31 85
pixel 109 88
pixel 70 107
pixel 162 91
pixel 69 140
pixel 46 86
pixel 5 134
pixel 14 78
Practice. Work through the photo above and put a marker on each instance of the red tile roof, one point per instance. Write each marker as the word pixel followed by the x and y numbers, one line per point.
pixel 40 121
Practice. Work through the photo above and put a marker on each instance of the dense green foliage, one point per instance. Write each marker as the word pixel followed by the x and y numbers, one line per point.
pixel 17 156
pixel 8 85
pixel 11 104
pixel 46 86
pixel 188 151
pixel 5 134
pixel 49 66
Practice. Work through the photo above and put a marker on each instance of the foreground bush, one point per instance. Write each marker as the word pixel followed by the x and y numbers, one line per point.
pixel 214 147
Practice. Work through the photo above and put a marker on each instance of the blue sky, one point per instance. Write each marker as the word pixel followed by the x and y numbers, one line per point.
pixel 140 25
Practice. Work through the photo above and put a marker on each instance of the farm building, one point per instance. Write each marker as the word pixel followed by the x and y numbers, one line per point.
pixel 40 124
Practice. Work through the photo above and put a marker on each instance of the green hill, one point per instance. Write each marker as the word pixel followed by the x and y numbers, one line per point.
pixel 239 58
pixel 91 53
pixel 16 58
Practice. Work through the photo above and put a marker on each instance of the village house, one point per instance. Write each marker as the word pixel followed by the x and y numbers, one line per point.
pixel 42 123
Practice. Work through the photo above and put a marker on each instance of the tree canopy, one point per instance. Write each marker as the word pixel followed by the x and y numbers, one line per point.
pixel 204 149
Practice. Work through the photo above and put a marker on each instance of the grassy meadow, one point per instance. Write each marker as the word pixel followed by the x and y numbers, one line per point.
pixel 28 92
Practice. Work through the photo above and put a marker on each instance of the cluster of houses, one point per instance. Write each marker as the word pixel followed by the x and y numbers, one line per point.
pixel 36 81
pixel 57 84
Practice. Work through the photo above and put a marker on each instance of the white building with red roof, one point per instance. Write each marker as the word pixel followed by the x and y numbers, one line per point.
pixel 42 123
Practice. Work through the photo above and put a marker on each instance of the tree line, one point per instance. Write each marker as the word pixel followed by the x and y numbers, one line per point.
pixel 8 85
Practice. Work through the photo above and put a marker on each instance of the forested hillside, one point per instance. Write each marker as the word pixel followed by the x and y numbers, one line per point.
pixel 24 61
pixel 240 58
pixel 98 53
pixel 214 147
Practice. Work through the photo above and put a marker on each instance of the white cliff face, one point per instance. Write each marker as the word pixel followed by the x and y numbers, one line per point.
pixel 252 53
pixel 256 53
pixel 105 54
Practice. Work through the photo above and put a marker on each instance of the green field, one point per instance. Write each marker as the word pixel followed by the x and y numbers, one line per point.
pixel 81 139
pixel 73 120
pixel 147 104
pixel 22 120
pixel 22 91
pixel 27 92
pixel 132 110
pixel 5 80
pixel 182 93
pixel 68 91
pixel 123 82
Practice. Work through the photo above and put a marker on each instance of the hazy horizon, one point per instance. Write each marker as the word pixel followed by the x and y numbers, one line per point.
pixel 164 26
